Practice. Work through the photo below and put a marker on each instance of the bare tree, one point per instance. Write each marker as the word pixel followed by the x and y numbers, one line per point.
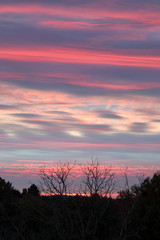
pixel 98 179
pixel 57 179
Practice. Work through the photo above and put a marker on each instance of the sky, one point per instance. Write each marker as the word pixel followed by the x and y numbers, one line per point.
pixel 79 79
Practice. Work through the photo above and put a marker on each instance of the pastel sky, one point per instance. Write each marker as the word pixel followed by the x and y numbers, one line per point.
pixel 79 79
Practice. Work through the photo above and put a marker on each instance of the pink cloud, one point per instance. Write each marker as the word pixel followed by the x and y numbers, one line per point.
pixel 66 55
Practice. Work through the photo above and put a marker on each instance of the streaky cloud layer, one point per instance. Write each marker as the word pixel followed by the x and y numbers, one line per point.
pixel 79 79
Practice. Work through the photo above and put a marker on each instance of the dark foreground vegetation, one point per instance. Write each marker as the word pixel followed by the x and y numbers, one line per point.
pixel 134 214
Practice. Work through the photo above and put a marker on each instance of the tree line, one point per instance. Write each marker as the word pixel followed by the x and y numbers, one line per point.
pixel 90 214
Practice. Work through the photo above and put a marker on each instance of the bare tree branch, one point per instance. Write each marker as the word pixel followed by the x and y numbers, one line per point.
pixel 98 179
pixel 56 180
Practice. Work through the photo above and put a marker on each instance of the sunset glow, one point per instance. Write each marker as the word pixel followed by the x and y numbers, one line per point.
pixel 79 79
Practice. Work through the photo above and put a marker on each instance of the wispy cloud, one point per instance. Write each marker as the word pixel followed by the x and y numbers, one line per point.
pixel 79 79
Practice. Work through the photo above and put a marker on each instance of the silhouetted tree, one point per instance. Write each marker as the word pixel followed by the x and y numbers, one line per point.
pixel 34 190
pixel 98 179
pixel 56 180
pixel 142 216
pixel 24 191
pixel 7 190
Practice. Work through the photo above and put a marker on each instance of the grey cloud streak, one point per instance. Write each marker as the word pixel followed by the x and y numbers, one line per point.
pixel 108 114
pixel 83 90
pixel 139 127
